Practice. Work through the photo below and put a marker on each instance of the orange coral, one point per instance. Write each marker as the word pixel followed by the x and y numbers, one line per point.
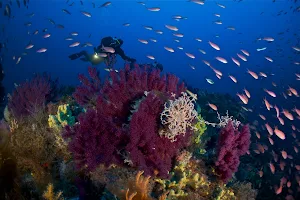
pixel 140 186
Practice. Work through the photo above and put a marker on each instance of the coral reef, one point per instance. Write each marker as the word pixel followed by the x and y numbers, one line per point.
pixel 135 136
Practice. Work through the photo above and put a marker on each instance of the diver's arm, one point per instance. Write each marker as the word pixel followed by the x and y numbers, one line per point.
pixel 121 53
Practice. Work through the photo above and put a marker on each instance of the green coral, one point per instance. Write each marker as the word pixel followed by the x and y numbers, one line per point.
pixel 64 117
pixel 181 180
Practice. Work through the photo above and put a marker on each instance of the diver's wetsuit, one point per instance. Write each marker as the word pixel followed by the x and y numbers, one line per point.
pixel 106 42
pixel 116 45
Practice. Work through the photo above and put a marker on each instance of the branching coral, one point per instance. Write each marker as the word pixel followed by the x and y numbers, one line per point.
pixel 86 94
pixel 140 188
pixel 178 116
pixel 31 97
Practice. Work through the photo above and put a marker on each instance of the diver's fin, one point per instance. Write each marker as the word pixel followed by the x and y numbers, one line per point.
pixel 75 56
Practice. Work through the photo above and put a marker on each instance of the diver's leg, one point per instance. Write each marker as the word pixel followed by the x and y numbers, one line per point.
pixel 77 55
pixel 86 56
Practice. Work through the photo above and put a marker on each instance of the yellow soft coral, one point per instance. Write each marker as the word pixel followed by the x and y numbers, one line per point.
pixel 50 195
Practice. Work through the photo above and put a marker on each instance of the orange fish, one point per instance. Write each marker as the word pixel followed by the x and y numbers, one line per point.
pixel 296 149
pixel 216 71
pixel 297 111
pixel 279 133
pixel 262 117
pixel 213 45
pixel 280 120
pixel 277 111
pixel 272 94
pixel 222 60
pixel 236 61
pixel 294 91
pixel 287 114
pixel 245 52
pixel 247 93
pixel 243 98
pixel 257 135
pixel 169 49
pixel 213 106
pixel 172 28
pixel 268 105
pixel 272 168
pixel 190 55
pixel 253 74
pixel 263 74
pixel 269 129
pixel 271 141
pixel 242 57
pixel 233 78
pixel 284 154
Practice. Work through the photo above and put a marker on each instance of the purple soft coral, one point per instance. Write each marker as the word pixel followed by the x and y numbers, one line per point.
pixel 30 97
pixel 148 151
pixel 86 94
pixel 106 131
pixel 232 144
pixel 94 140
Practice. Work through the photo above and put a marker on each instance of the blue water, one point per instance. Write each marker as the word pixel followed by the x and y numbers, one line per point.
pixel 244 16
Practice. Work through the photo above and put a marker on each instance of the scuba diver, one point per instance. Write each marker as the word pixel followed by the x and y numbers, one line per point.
pixel 106 52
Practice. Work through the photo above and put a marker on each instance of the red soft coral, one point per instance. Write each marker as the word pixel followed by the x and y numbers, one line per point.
pixel 103 134
pixel 232 144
